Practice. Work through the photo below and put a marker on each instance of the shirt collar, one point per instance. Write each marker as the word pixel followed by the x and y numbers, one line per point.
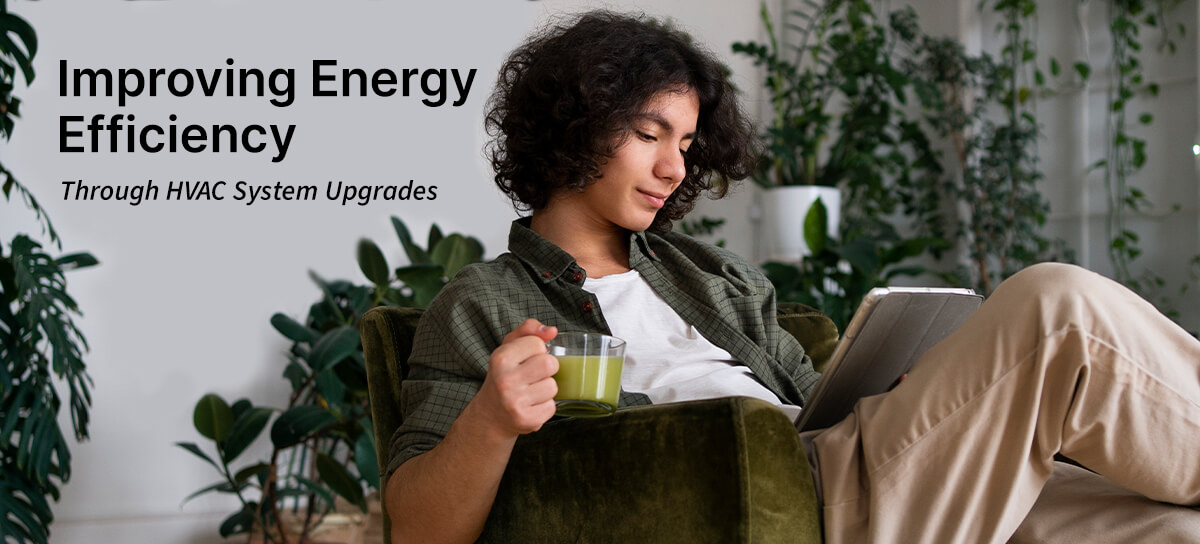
pixel 550 261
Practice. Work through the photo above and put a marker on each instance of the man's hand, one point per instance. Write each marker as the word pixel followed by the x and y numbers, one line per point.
pixel 445 494
pixel 517 396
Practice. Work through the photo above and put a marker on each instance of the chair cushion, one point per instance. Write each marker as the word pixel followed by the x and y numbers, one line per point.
pixel 719 470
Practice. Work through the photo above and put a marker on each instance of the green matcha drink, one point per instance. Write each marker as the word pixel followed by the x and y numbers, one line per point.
pixel 589 373
pixel 591 385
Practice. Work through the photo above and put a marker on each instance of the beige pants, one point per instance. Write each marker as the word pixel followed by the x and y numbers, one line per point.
pixel 1058 359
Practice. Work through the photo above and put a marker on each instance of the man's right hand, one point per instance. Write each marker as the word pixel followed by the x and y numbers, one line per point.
pixel 517 397
pixel 446 493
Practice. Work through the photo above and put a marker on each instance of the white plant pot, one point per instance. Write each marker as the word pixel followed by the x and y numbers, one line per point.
pixel 784 210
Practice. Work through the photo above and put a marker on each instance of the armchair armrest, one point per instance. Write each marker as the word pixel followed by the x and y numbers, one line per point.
pixel 721 470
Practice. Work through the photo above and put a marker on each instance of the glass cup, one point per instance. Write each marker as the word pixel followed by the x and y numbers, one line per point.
pixel 589 373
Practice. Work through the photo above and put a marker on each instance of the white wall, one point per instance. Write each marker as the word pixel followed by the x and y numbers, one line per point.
pixel 179 305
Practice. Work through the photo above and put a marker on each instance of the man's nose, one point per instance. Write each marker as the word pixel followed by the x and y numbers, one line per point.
pixel 670 166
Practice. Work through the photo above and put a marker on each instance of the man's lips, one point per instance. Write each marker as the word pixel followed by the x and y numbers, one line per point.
pixel 658 200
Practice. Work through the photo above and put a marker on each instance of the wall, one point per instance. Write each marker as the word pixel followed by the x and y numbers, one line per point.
pixel 180 304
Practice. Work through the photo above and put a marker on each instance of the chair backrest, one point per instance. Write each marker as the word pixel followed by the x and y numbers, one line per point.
pixel 387 338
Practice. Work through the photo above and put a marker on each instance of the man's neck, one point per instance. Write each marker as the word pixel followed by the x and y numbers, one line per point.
pixel 600 249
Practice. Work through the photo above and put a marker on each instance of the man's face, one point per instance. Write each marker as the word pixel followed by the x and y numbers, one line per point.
pixel 636 181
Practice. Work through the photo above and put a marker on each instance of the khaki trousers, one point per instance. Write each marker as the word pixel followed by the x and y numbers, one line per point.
pixel 1058 359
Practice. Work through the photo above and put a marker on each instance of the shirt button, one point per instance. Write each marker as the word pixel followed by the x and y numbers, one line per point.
pixel 545 274
pixel 577 277
pixel 587 306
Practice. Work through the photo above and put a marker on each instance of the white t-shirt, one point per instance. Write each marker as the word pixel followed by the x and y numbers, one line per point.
pixel 666 358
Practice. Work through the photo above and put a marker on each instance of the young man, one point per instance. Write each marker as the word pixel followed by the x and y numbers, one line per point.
pixel 607 130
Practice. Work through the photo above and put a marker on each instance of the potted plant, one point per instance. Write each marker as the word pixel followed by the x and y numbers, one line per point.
pixel 39 341
pixel 799 92
pixel 323 442
pixel 837 131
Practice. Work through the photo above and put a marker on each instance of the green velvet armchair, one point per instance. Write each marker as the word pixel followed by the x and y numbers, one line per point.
pixel 721 470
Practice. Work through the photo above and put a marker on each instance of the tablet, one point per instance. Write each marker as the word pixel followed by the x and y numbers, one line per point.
pixel 892 327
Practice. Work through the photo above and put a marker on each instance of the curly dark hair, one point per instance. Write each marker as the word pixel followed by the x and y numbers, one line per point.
pixel 565 100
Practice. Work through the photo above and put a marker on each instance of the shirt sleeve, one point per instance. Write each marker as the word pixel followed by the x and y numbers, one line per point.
pixel 782 347
pixel 453 342
pixel 786 349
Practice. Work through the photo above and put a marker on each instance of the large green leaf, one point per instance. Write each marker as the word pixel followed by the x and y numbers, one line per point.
pixel 316 488
pixel 222 486
pixel 330 386
pixel 365 459
pixel 361 299
pixel 24 32
pixel 245 429
pixel 456 251
pixel 908 248
pixel 424 280
pixel 24 512
pixel 862 254
pixel 40 284
pixel 291 492
pixel 196 450
pixel 353 374
pixel 298 423
pixel 11 22
pixel 16 405
pixel 816 223
pixel 295 374
pixel 435 236
pixel 915 270
pixel 213 417
pixel 239 522
pixel 340 480
pixel 192 447
pixel 330 301
pixel 47 441
pixel 372 262
pixel 333 346
pixel 292 329
pixel 76 260
pixel 257 469
pixel 240 407
pixel 416 255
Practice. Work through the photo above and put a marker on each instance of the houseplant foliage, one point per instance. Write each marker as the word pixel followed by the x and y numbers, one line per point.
pixel 39 340
pixel 837 275
pixel 322 442
pixel 839 80
pixel 702 226
pixel 1131 22
pixel 984 107
pixel 861 66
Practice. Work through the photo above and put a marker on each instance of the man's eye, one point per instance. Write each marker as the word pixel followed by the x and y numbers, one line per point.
pixel 646 137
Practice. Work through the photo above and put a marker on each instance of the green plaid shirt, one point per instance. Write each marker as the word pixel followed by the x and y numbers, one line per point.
pixel 729 301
